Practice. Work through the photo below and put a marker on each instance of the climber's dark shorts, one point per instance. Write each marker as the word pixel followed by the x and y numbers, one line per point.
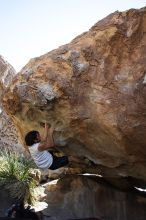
pixel 58 162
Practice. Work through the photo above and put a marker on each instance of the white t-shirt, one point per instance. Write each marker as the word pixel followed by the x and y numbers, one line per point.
pixel 43 159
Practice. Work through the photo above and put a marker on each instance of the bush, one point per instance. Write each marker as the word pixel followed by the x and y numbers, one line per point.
pixel 15 177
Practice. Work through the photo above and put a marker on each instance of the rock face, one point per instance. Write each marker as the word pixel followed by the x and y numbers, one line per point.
pixel 92 91
pixel 8 135
pixel 8 132
pixel 7 73
pixel 82 197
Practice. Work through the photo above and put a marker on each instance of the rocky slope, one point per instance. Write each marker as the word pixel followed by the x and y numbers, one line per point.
pixel 8 132
pixel 7 73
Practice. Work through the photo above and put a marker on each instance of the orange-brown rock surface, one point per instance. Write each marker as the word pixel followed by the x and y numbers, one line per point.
pixel 92 91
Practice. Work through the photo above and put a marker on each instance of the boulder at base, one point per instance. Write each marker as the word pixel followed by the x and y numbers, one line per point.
pixel 81 197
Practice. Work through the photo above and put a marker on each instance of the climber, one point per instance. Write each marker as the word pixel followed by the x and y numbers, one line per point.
pixel 38 148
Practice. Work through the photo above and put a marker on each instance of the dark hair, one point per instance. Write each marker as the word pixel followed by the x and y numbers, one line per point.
pixel 18 211
pixel 31 137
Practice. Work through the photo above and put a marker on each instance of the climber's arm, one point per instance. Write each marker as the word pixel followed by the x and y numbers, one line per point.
pixel 47 142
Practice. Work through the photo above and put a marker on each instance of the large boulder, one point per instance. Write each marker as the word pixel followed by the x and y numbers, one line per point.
pixel 92 91
pixel 82 197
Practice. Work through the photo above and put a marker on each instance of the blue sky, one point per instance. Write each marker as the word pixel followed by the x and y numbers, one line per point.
pixel 30 28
